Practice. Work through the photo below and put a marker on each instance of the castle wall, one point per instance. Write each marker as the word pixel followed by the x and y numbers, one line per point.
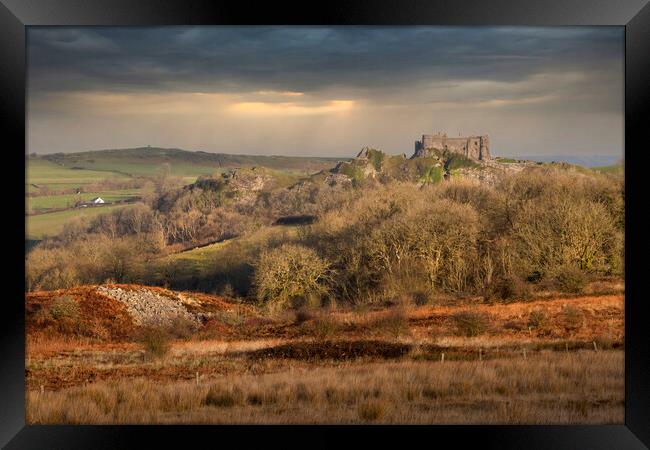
pixel 474 147
pixel 485 147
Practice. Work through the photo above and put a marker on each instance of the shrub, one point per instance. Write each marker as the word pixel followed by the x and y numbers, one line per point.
pixel 537 318
pixel 430 392
pixel 64 313
pixel 42 317
pixel 570 279
pixel 471 323
pixel 573 318
pixel 64 307
pixel 395 322
pixel 420 298
pixel 513 325
pixel 457 161
pixel 509 287
pixel 432 175
pixel 371 410
pixel 50 269
pixel 605 342
pixel 353 171
pixel 227 291
pixel 121 261
pixel 303 393
pixel 325 327
pixel 156 342
pixel 260 398
pixel 559 226
pixel 376 157
pixel 223 398
pixel 303 315
pixel 290 274
pixel 232 318
pixel 435 238
pixel 182 327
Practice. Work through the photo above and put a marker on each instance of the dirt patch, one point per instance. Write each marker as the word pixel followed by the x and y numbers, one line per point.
pixel 337 350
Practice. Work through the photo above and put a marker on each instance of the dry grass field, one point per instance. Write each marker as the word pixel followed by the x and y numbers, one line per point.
pixel 546 388
pixel 553 360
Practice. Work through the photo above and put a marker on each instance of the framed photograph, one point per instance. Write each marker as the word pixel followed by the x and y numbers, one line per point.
pixel 294 226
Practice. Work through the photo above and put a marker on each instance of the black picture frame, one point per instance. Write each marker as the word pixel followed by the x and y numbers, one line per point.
pixel 634 15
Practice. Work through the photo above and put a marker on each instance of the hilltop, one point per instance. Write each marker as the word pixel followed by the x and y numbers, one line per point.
pixel 434 165
pixel 145 160
pixel 423 167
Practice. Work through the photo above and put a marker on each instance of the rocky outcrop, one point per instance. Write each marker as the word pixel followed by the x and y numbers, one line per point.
pixel 148 308
pixel 247 183
pixel 436 158
pixel 338 179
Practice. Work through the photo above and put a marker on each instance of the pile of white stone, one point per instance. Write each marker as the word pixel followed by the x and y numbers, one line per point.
pixel 148 308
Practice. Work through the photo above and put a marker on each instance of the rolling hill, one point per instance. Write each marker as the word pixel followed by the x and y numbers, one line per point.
pixel 147 160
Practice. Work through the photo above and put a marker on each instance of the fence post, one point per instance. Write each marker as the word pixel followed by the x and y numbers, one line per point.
pixel 197 378
pixel 480 354
pixel 442 358
pixel 595 347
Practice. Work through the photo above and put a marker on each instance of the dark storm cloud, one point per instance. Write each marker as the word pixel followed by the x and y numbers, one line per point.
pixel 324 90
pixel 308 59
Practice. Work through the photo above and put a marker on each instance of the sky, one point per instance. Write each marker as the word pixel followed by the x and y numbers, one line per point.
pixel 325 91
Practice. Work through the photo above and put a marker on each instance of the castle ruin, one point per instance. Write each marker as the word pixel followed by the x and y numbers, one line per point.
pixel 473 147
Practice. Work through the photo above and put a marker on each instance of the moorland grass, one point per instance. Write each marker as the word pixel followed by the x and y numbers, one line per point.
pixel 583 387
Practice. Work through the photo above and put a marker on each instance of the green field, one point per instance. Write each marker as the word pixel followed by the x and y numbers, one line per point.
pixel 46 202
pixel 71 170
pixel 56 172
pixel 42 172
pixel 49 224
pixel 147 168
pixel 204 260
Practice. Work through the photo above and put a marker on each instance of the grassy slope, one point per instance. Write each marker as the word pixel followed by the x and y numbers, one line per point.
pixel 205 261
pixel 43 172
pixel 146 161
pixel 40 225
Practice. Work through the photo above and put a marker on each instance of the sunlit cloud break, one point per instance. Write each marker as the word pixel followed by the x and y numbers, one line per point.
pixel 283 93
pixel 292 108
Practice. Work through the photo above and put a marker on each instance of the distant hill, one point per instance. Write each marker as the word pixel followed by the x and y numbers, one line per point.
pixel 581 160
pixel 147 160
